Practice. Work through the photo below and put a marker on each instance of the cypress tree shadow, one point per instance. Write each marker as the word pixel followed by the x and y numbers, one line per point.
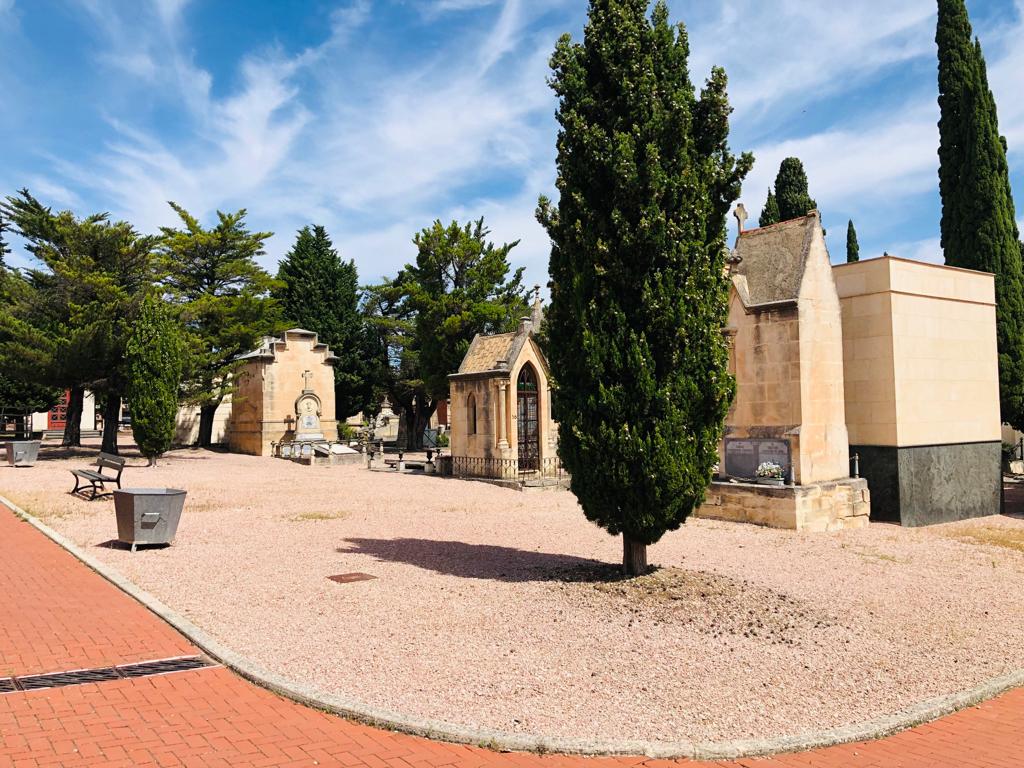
pixel 484 561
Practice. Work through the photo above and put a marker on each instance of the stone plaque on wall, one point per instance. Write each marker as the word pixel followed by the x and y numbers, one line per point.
pixel 743 456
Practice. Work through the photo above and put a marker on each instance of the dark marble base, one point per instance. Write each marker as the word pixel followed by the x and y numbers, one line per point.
pixel 923 485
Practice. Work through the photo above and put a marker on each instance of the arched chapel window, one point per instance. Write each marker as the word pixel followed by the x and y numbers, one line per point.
pixel 471 414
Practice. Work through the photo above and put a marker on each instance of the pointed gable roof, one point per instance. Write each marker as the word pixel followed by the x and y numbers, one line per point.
pixel 773 261
pixel 496 354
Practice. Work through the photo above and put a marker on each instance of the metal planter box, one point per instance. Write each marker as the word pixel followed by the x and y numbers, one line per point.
pixel 22 453
pixel 148 515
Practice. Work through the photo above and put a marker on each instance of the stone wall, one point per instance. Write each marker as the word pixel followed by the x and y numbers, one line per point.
pixel 829 506
pixel 920 353
pixel 923 485
pixel 823 442
pixel 483 442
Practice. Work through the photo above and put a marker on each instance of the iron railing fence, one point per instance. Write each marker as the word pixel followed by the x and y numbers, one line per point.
pixel 508 469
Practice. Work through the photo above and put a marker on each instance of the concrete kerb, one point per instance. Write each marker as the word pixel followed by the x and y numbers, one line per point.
pixel 925 711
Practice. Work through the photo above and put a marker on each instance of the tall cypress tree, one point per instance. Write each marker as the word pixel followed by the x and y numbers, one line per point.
pixel 979 229
pixel 320 292
pixel 638 285
pixel 770 212
pixel 791 192
pixel 154 362
pixel 852 246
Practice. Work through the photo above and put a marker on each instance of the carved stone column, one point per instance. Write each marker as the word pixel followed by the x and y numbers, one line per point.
pixel 502 413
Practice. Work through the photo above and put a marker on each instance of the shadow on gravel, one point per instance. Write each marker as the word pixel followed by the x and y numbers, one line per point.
pixel 485 561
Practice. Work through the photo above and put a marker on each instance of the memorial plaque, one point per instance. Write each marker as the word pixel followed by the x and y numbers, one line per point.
pixel 740 458
pixel 743 456
pixel 776 451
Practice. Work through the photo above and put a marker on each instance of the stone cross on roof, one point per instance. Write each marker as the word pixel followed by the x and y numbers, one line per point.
pixel 741 216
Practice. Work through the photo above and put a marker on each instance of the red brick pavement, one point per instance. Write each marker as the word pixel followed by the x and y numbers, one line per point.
pixel 56 614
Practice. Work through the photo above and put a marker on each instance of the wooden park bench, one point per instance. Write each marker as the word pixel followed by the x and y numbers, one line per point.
pixel 96 478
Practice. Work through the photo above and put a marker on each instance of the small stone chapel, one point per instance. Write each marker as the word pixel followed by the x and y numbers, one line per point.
pixel 500 405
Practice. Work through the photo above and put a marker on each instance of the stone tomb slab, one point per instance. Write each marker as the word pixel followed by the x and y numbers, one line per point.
pixel 744 455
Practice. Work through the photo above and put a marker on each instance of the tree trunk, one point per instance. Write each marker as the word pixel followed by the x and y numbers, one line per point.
pixel 418 420
pixel 206 414
pixel 634 556
pixel 111 420
pixel 73 425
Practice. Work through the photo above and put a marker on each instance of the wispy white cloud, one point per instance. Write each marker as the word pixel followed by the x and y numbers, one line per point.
pixel 376 145
pixel 882 160
pixel 781 56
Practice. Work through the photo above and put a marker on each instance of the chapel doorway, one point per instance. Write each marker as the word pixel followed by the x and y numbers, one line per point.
pixel 528 420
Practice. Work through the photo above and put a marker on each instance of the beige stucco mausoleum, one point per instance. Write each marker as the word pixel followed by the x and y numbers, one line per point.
pixel 500 407
pixel 285 383
pixel 884 368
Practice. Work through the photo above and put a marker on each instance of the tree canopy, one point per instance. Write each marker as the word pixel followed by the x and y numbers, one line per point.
pixel 65 323
pixel 791 192
pixel 459 286
pixel 154 358
pixel 979 229
pixel 770 212
pixel 320 292
pixel 638 282
pixel 223 297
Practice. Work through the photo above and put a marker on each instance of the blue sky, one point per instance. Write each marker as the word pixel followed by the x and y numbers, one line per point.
pixel 374 117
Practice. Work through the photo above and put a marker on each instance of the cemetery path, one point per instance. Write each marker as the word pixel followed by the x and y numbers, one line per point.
pixel 57 615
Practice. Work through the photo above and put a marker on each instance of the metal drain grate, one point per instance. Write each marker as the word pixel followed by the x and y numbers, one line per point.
pixel 348 578
pixel 162 667
pixel 104 674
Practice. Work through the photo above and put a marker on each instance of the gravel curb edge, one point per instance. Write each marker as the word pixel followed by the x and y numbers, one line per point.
pixel 925 711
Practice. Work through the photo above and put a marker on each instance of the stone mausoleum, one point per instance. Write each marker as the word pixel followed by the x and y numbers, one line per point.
pixel 922 388
pixel 500 407
pixel 785 329
pixel 886 368
pixel 284 392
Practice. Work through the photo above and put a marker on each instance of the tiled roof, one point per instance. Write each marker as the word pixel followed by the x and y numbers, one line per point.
pixel 485 351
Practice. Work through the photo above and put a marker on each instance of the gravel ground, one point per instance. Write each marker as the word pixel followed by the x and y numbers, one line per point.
pixel 500 609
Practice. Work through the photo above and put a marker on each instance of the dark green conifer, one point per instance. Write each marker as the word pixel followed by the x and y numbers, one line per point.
pixel 320 292
pixel 979 229
pixel 154 361
pixel 852 246
pixel 791 190
pixel 638 284
pixel 770 212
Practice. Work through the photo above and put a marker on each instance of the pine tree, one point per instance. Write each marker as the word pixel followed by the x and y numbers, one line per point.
pixel 68 324
pixel 459 286
pixel 154 360
pixel 223 297
pixel 770 212
pixel 979 229
pixel 791 190
pixel 852 246
pixel 320 292
pixel 638 285
pixel 4 250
